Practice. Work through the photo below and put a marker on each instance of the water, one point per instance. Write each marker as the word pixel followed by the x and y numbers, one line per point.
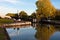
pixel 34 32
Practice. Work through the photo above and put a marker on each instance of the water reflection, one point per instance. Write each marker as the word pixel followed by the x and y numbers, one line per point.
pixel 16 28
pixel 22 33
pixel 47 32
pixel 35 32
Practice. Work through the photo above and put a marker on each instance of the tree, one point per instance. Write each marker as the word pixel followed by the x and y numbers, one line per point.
pixel 57 16
pixel 45 9
pixel 16 16
pixel 23 15
pixel 33 15
pixel 12 15
pixel 57 12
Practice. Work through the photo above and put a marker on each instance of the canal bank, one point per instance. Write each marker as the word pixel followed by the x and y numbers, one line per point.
pixel 16 24
pixel 53 22
pixel 3 34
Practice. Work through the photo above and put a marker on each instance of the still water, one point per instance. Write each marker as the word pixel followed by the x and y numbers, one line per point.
pixel 34 32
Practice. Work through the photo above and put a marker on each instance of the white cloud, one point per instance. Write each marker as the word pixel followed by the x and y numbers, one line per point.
pixel 1 0
pixel 5 10
pixel 14 2
pixel 10 1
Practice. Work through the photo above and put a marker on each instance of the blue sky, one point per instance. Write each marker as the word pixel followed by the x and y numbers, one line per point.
pixel 28 6
pixel 56 3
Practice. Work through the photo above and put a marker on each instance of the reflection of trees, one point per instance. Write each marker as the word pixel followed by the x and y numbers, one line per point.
pixel 16 28
pixel 57 27
pixel 44 32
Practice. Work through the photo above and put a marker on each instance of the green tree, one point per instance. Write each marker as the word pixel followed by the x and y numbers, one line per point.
pixel 23 15
pixel 16 16
pixel 12 15
pixel 45 9
pixel 33 15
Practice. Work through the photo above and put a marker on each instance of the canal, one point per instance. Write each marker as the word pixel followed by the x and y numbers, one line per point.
pixel 34 32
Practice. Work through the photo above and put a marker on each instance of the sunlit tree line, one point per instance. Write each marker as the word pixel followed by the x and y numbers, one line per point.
pixel 45 10
pixel 22 15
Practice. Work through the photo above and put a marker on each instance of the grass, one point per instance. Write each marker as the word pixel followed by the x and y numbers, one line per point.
pixel 6 21
pixel 2 34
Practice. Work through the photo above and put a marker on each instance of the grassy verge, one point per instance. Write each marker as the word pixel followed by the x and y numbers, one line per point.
pixel 3 21
pixel 2 34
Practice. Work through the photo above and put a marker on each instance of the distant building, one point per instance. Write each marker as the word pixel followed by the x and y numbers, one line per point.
pixel 19 20
pixel 34 20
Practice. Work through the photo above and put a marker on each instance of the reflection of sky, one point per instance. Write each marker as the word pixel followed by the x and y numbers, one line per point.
pixel 55 36
pixel 22 33
pixel 28 33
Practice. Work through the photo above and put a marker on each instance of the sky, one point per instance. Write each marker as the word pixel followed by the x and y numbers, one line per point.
pixel 14 6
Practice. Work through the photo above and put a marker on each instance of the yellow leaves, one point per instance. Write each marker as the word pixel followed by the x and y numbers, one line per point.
pixel 45 8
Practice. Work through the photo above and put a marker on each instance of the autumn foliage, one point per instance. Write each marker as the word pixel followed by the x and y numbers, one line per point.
pixel 45 9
